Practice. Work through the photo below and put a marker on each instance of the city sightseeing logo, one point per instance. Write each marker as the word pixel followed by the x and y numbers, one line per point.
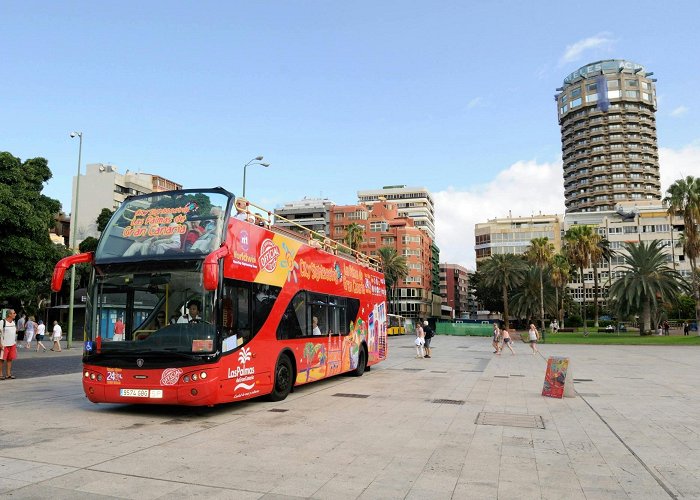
pixel 245 377
pixel 170 376
pixel 268 255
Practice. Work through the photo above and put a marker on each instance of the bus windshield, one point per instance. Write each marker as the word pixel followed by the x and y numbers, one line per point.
pixel 163 226
pixel 157 310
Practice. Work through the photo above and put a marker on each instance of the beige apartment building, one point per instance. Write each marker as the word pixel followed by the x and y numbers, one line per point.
pixel 513 234
pixel 103 186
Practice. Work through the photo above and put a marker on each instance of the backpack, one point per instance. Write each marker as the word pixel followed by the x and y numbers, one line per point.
pixel 429 334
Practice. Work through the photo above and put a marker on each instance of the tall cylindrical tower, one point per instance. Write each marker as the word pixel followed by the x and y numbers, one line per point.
pixel 606 112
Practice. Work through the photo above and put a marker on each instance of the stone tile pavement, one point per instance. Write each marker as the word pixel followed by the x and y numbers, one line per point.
pixel 631 432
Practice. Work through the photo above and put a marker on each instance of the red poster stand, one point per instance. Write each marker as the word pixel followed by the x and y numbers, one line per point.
pixel 558 380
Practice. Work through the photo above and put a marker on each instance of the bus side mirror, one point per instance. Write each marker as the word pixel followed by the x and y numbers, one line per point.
pixel 60 270
pixel 210 270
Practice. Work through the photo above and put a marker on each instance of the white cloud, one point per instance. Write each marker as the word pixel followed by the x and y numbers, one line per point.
pixel 575 51
pixel 675 164
pixel 524 188
pixel 679 111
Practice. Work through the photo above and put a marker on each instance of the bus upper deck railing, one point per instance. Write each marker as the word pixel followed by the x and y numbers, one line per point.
pixel 304 235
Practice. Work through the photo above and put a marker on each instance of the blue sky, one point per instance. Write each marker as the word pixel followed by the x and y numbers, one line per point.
pixel 454 96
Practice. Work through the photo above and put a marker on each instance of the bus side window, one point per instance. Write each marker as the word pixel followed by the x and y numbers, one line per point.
pixel 353 307
pixel 293 322
pixel 318 309
pixel 235 311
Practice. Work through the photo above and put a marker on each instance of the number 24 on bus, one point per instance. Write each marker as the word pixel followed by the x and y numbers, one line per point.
pixel 211 304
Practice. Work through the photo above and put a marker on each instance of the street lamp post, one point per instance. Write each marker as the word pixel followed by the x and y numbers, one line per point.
pixel 74 228
pixel 255 161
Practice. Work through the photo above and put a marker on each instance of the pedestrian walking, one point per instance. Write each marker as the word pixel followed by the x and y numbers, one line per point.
pixel 21 325
pixel 8 345
pixel 686 328
pixel 56 336
pixel 496 341
pixel 667 327
pixel 40 331
pixel 428 334
pixel 534 336
pixel 29 332
pixel 420 341
pixel 507 340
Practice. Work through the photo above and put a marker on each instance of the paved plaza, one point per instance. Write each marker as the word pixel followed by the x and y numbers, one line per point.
pixel 409 428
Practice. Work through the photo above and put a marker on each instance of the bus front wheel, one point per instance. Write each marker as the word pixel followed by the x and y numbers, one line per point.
pixel 284 378
pixel 361 363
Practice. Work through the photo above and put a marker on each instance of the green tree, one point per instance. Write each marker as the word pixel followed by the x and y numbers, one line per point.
pixel 600 252
pixel 526 300
pixel 504 271
pixel 354 236
pixel 488 296
pixel 683 198
pixel 395 269
pixel 560 275
pixel 27 255
pixel 89 244
pixel 103 219
pixel 540 254
pixel 579 243
pixel 646 283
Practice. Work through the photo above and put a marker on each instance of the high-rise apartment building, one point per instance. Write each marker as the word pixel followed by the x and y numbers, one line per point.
pixel 103 186
pixel 413 202
pixel 311 213
pixel 454 288
pixel 606 112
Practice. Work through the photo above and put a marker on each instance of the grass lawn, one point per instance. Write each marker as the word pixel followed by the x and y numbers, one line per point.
pixel 625 338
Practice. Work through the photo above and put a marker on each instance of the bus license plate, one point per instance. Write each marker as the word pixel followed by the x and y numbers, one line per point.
pixel 141 393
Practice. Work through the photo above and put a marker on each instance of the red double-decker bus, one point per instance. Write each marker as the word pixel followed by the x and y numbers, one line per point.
pixel 216 306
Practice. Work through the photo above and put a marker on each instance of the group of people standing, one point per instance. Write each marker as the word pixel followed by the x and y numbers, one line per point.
pixel 21 334
pixel 501 339
pixel 424 334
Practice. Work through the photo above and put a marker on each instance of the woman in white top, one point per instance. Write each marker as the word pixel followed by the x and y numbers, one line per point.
pixel 420 341
pixel 29 332
pixel 40 330
pixel 56 337
pixel 534 336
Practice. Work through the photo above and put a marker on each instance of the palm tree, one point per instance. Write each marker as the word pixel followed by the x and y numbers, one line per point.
pixel 647 281
pixel 354 236
pixel 540 253
pixel 395 269
pixel 600 252
pixel 505 271
pixel 683 197
pixel 560 274
pixel 579 244
pixel 526 301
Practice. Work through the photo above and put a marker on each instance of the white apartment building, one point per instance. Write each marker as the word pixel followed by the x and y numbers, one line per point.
pixel 414 202
pixel 103 186
pixel 630 222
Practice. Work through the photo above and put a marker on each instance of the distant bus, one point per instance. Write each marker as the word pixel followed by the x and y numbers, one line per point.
pixel 216 308
pixel 396 324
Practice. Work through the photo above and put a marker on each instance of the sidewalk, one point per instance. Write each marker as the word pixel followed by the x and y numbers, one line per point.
pixel 463 424
pixel 76 349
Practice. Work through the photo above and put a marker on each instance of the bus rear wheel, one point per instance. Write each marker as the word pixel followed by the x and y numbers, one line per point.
pixel 361 363
pixel 284 378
